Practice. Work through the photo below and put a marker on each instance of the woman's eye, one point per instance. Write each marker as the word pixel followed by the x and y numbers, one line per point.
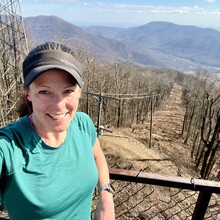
pixel 44 92
pixel 69 91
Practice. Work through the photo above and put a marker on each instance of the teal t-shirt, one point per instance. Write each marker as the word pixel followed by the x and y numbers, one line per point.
pixel 39 182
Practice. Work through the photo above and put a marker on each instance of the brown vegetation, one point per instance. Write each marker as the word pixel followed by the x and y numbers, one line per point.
pixel 129 98
pixel 168 154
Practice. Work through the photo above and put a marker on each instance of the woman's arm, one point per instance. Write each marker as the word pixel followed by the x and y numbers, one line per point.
pixel 105 207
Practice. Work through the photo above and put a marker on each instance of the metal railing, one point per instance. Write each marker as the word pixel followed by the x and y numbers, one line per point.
pixel 143 195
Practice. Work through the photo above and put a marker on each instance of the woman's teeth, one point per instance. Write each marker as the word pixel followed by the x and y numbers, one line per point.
pixel 59 116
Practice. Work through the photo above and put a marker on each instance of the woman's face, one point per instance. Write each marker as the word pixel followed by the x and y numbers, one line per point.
pixel 55 97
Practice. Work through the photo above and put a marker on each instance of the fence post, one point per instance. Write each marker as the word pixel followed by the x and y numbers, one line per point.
pixel 151 120
pixel 99 113
pixel 201 205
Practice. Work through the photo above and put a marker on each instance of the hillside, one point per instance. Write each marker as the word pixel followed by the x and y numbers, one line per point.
pixel 156 44
pixel 183 42
pixel 166 155
pixel 196 44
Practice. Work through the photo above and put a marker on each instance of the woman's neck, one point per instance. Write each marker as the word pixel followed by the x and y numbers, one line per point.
pixel 50 138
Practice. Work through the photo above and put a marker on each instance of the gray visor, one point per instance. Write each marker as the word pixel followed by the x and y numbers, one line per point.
pixel 45 60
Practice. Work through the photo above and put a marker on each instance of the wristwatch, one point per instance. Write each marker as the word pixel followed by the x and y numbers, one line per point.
pixel 106 187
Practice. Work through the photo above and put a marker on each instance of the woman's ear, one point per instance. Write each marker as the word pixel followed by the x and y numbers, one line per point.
pixel 26 95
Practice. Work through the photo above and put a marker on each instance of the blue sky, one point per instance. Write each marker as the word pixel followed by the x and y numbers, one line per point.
pixel 121 13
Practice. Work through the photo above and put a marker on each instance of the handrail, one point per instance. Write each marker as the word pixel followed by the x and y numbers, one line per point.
pixel 205 187
pixel 194 184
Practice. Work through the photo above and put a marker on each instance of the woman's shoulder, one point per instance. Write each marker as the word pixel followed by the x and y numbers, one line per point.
pixel 82 116
pixel 84 125
pixel 13 129
pixel 83 121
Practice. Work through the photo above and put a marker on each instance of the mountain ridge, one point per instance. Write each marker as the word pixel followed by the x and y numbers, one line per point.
pixel 156 44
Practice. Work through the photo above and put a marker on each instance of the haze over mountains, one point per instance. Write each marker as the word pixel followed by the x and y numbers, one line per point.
pixel 157 44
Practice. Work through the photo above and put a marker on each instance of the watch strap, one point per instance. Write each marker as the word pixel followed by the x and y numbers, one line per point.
pixel 106 187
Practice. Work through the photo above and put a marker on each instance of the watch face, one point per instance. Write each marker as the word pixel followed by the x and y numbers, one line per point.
pixel 106 187
pixel 110 190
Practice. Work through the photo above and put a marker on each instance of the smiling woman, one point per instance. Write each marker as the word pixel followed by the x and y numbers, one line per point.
pixel 51 159
pixel 55 102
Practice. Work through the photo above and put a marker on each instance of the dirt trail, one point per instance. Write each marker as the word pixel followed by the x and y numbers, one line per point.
pixel 168 154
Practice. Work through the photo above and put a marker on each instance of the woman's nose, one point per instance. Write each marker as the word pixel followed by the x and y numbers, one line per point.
pixel 59 100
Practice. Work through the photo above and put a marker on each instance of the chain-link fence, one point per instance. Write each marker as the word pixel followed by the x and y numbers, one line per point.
pixel 135 200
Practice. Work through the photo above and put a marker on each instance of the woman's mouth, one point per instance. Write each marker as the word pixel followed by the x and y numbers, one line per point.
pixel 57 116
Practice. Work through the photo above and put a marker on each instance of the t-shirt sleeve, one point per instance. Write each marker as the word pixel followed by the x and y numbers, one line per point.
pixel 9 155
pixel 1 162
pixel 87 125
pixel 91 130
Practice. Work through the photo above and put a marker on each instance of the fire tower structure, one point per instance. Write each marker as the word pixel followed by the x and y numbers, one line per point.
pixel 13 48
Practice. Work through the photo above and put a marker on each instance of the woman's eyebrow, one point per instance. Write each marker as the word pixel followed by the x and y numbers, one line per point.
pixel 42 86
pixel 70 86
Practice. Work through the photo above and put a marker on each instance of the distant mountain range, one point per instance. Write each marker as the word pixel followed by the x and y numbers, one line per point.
pixel 156 44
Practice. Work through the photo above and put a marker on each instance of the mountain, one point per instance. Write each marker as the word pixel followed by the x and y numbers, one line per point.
pixel 201 45
pixel 157 44
pixel 107 32
pixel 51 28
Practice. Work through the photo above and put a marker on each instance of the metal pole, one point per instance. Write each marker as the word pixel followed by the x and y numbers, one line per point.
pixel 151 120
pixel 99 113
pixel 201 205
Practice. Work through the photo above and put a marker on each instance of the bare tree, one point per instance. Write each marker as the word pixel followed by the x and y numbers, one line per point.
pixel 201 121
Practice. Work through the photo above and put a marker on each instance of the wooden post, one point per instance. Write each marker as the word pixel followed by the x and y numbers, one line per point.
pixel 151 121
pixel 99 113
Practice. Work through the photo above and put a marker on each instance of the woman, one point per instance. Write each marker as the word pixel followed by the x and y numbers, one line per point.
pixel 51 159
